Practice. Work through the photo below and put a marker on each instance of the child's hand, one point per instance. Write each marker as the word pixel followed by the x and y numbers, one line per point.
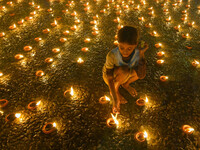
pixel 144 49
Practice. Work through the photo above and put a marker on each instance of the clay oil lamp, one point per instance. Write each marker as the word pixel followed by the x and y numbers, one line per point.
pixel 151 13
pixel 188 129
pixel 54 23
pixel 38 39
pixel 95 32
pixel 49 10
pixel 33 105
pixel 185 36
pixel 73 27
pixel 154 33
pixel 118 12
pixel 103 11
pixel 191 24
pixel 19 56
pixel 73 14
pixel 184 19
pixel 86 8
pixel 84 49
pixel 174 5
pixel 37 7
pixel 162 5
pixel 188 47
pixel 55 50
pixel 95 28
pixel 2 7
pixel 179 1
pixel 165 10
pixel 31 3
pixel 126 7
pixel 12 27
pixel 195 63
pixel 93 22
pixel 28 18
pixel 116 42
pixel 168 19
pixel 33 13
pixel 116 20
pixel 137 8
pixel 71 92
pixel 40 73
pixel 187 6
pixel 77 21
pixel 141 101
pixel 95 17
pixel 104 100
pixel 143 2
pixel 163 78
pixel 21 21
pixel 1 112
pixel 63 40
pixel 1 74
pixel 2 34
pixel 119 27
pixel 184 12
pixel 141 18
pixel 86 4
pixel 13 14
pixel 66 32
pixel 160 61
pixel 3 103
pixel 65 11
pixel 9 3
pixel 150 8
pixel 80 61
pixel 148 25
pixel 177 27
pixel 12 117
pixel 158 45
pixel 141 136
pixel 27 48
pixel 87 40
pixel 49 127
pixel 131 2
pixel 161 53
pixel 49 60
pixel 116 37
pixel 113 122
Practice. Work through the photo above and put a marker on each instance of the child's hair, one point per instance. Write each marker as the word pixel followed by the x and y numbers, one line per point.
pixel 129 35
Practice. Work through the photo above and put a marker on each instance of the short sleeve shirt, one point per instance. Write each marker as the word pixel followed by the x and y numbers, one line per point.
pixel 114 58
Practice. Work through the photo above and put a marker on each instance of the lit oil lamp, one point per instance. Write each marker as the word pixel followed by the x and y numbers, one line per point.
pixel 116 37
pixel 141 136
pixel 160 53
pixel 1 112
pixel 9 3
pixel 174 5
pixel 168 19
pixel 54 23
pixel 143 2
pixel 113 122
pixel 49 127
pixel 49 60
pixel 66 32
pixel 73 27
pixel 158 45
pixel 33 105
pixel 71 92
pixel 95 17
pixel 28 18
pixel 188 129
pixel 77 21
pixel 116 20
pixel 195 63
pixel 160 61
pixel 12 117
pixel 65 11
pixel 184 12
pixel 179 1
pixel 12 27
pixel 93 22
pixel 86 8
pixel 177 27
pixel 38 39
pixel 63 40
pixel 165 10
pixel 87 40
pixel 56 50
pixel 137 8
pixel 33 13
pixel 104 100
pixel 49 10
pixel 118 12
pixel 95 28
pixel 73 14
pixel 102 11
pixel 95 32
pixel 86 4
pixel 141 18
pixel 148 25
pixel 150 8
pixel 2 7
pixel 37 7
pixel 19 56
pixel 119 27
pixel 151 13
pixel 40 73
pixel 154 33
pixel 1 74
pixel 84 49
pixel 2 34
pixel 3 103
pixel 163 78
pixel 185 36
pixel 116 42
pixel 27 48
pixel 31 3
pixel 191 24
pixel 141 101
pixel 184 19
pixel 80 61
pixel 187 6
pixel 21 21
pixel 126 7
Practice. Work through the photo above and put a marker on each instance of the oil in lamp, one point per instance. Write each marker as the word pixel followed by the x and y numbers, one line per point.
pixel 2 34
pixel 80 61
pixel 191 24
pixel 160 61
pixel 19 56
pixel 27 48
pixel 141 101
pixel 158 45
pixel 113 122
pixel 160 53
pixel 188 129
pixel 37 39
pixel 163 78
pixel 104 100
pixel 40 73
pixel 87 40
pixel 56 50
pixel 21 21
pixel 12 27
pixel 195 63
pixel 63 40
pixel 49 127
pixel 66 32
pixel 3 103
pixel 141 136
pixel 54 23
pixel 49 60
pixel 46 31
pixel 84 49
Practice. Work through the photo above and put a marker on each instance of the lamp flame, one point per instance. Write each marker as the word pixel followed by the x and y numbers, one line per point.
pixel 54 124
pixel 80 60
pixel 1 112
pixel 115 119
pixel 71 91
pixel 38 103
pixel 146 99
pixel 145 134
pixel 17 115
pixel 107 98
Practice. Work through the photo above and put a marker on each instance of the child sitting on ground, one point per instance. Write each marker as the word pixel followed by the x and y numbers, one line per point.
pixel 124 65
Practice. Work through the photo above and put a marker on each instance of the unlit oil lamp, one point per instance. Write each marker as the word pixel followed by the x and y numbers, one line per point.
pixel 33 105
pixel 12 27
pixel 141 136
pixel 191 24
pixel 2 34
pixel 46 31
pixel 160 61
pixel 54 23
pixel 177 27
pixel 195 63
pixel 71 92
pixel 39 73
pixel 113 122
pixel 21 21
pixel 185 36
pixel 49 60
pixel 49 127
pixel 84 49
pixel 66 32
pixel 158 45
pixel 27 48
pixel 80 61
pixel 38 39
pixel 3 103
pixel 56 50
pixel 63 40
pixel 87 40
pixel 19 56
pixel 12 117
pixel 163 78
pixel 73 27
pixel 141 101
pixel 104 100
pixel 188 129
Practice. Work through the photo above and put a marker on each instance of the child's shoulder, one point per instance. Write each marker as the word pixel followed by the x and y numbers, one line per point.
pixel 113 52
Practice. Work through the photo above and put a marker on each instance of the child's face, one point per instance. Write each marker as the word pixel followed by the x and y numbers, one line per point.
pixel 126 49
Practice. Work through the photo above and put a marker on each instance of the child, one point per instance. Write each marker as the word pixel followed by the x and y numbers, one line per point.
pixel 124 65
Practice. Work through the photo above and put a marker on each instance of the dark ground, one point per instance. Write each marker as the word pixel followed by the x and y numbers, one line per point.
pixel 82 121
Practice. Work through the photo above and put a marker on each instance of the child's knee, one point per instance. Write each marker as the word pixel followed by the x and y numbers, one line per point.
pixel 141 75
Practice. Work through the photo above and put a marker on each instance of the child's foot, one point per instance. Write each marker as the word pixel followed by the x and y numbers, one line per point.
pixel 131 90
pixel 122 99
pixel 116 110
